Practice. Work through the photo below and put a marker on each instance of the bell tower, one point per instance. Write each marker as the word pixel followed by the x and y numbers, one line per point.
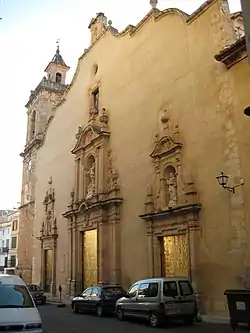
pixel 40 110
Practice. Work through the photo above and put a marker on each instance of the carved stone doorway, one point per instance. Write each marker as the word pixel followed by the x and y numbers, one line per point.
pixel 175 255
pixel 48 262
pixel 90 258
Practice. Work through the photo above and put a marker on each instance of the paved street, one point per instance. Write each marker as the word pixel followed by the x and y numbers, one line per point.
pixel 62 320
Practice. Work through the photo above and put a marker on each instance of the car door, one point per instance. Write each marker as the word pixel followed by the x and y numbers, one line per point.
pixel 83 301
pixel 94 298
pixel 188 305
pixel 171 298
pixel 148 298
pixel 130 304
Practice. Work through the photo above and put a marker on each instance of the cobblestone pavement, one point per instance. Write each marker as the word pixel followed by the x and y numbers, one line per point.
pixel 62 320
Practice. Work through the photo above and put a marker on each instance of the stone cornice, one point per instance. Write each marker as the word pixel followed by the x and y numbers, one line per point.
pixel 36 142
pixel 178 210
pixel 26 205
pixel 91 206
pixel 47 85
pixel 233 53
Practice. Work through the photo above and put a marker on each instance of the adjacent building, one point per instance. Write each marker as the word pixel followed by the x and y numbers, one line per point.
pixel 120 166
pixel 9 221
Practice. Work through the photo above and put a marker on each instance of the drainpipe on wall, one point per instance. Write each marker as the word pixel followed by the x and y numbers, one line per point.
pixel 245 5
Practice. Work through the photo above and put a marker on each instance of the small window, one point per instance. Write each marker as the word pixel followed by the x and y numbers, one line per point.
pixel 133 290
pixel 95 292
pixel 14 225
pixel 58 77
pixel 87 292
pixel 95 99
pixel 185 288
pixel 170 289
pixel 13 242
pixel 148 290
pixel 12 261
pixel 113 291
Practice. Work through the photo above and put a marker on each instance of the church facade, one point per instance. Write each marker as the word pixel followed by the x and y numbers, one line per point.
pixel 123 183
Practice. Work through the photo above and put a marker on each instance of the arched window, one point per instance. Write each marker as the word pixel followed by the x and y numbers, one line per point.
pixel 33 125
pixel 58 77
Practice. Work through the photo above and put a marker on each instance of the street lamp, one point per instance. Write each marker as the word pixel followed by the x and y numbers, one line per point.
pixel 223 179
pixel 247 111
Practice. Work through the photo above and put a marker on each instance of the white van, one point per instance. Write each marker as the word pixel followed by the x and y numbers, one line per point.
pixel 18 311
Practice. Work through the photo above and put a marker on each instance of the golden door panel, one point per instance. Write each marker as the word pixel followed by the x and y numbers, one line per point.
pixel 48 269
pixel 90 269
pixel 175 256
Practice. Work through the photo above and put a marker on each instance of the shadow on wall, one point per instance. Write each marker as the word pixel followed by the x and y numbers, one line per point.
pixel 244 279
pixel 213 280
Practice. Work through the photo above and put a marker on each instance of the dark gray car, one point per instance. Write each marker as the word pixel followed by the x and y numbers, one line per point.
pixel 37 294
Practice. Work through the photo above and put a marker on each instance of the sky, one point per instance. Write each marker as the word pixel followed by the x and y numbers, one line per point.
pixel 29 30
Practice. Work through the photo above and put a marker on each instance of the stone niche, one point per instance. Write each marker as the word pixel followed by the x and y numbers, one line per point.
pixel 171 207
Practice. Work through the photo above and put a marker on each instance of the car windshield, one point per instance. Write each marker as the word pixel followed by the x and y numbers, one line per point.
pixel 113 291
pixel 33 287
pixel 13 296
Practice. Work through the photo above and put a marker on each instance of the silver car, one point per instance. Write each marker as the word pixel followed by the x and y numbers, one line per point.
pixel 159 300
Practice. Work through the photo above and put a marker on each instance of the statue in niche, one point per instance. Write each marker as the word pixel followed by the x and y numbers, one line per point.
pixel 48 226
pixel 91 186
pixel 172 189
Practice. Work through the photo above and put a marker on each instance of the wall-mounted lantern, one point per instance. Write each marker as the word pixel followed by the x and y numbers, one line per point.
pixel 223 179
pixel 247 111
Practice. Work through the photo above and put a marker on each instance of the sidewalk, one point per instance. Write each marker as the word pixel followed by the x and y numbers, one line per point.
pixel 57 300
pixel 215 319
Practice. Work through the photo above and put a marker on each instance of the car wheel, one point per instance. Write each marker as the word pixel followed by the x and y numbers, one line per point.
pixel 99 311
pixel 154 319
pixel 44 302
pixel 74 308
pixel 189 320
pixel 119 313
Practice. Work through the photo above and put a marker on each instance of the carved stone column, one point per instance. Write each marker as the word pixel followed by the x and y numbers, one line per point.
pixel 193 239
pixel 70 253
pixel 150 250
pixel 74 258
pixel 101 155
pixel 53 282
pixel 116 252
pixel 101 251
pixel 42 282
pixel 78 261
pixel 80 184
pixel 77 178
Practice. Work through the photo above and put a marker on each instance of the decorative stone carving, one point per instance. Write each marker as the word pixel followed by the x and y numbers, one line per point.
pixel 49 227
pixel 172 189
pixel 91 186
pixel 112 179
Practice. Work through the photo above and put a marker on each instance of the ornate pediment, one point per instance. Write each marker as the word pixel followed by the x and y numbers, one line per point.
pixel 85 136
pixel 97 128
pixel 165 146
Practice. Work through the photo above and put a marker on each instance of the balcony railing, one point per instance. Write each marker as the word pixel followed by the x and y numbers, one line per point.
pixel 4 249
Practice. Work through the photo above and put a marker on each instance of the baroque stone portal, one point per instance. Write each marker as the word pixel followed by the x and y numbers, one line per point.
pixel 48 237
pixel 94 211
pixel 171 210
